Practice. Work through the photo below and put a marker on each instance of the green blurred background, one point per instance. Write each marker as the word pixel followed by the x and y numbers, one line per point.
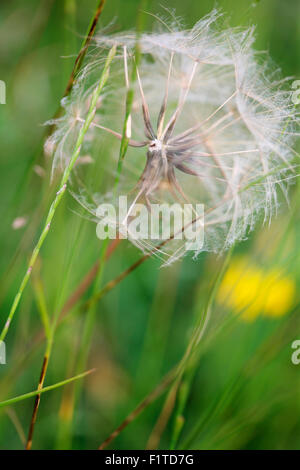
pixel 244 391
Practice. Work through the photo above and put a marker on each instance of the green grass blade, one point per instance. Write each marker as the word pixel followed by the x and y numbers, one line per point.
pixel 14 400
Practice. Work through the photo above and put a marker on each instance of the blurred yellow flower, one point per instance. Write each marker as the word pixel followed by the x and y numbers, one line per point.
pixel 250 290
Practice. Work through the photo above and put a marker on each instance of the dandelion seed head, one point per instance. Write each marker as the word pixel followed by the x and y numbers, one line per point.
pixel 211 122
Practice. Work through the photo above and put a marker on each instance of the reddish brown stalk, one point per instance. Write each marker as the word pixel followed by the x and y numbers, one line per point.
pixel 79 59
pixel 111 284
pixel 84 48
pixel 86 282
pixel 37 403
pixel 161 387
pixel 163 418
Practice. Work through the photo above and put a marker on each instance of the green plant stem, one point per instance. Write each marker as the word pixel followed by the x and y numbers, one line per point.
pixel 130 94
pixel 64 439
pixel 181 384
pixel 191 365
pixel 11 401
pixel 61 190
